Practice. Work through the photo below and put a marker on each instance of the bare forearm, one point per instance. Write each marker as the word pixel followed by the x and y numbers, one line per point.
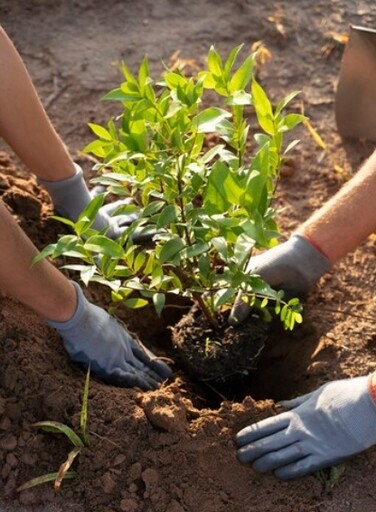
pixel 24 124
pixel 348 218
pixel 41 287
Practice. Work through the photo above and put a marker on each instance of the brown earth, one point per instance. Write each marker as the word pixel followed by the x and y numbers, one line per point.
pixel 172 450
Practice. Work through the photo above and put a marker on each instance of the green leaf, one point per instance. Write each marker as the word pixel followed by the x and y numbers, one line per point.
pixel 143 73
pixel 291 145
pixel 139 261
pixel 119 95
pixel 239 98
pixel 262 139
pixel 153 208
pixel 102 245
pixel 89 213
pixel 208 120
pixel 84 408
pixel 48 477
pixel 231 60
pixel 87 273
pixel 150 265
pixel 159 300
pixel 244 245
pixel 283 103
pixel 220 244
pixel 167 216
pixel 196 249
pixel 97 147
pixel 64 220
pixel 136 303
pixel 101 132
pixel 114 284
pixel 289 122
pixel 212 153
pixel 223 296
pixel 138 138
pixel 263 108
pixel 242 76
pixel 59 428
pixel 223 189
pixel 214 62
pixel 204 264
pixel 170 250
pixel 175 80
pixel 45 253
pixel 127 74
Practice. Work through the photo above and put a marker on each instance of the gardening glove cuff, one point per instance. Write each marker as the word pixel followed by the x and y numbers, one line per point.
pixel 71 195
pixel 293 266
pixel 94 337
pixel 320 429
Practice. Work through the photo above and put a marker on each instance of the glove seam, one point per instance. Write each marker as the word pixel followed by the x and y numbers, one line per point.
pixel 314 244
pixel 77 315
pixel 52 184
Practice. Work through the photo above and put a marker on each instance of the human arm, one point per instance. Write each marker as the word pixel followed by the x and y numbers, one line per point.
pixel 25 126
pixel 89 334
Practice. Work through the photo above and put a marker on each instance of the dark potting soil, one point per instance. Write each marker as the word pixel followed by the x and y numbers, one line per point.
pixel 218 354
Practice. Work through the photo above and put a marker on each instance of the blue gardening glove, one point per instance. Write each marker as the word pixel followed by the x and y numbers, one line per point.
pixel 70 196
pixel 93 336
pixel 321 429
pixel 293 266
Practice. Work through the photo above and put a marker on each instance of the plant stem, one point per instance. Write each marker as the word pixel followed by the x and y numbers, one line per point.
pixel 209 316
pixel 197 297
pixel 182 207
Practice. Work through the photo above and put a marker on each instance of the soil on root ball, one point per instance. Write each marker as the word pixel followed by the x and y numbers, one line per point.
pixel 219 354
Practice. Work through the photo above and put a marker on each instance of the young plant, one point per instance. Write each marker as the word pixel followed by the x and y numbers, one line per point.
pixel 78 440
pixel 208 204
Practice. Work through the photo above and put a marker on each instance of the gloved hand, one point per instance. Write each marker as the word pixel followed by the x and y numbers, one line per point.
pixel 70 196
pixel 321 429
pixel 93 336
pixel 293 266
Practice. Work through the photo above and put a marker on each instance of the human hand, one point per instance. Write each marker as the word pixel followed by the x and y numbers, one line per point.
pixel 293 266
pixel 320 429
pixel 71 196
pixel 94 337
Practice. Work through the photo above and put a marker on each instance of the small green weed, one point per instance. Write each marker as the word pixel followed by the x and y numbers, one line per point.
pixel 79 441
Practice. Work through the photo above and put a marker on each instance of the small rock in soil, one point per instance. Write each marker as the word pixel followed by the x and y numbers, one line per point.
pixel 13 411
pixel 12 460
pixel 174 506
pixel 5 423
pixel 29 459
pixel 151 479
pixel 8 443
pixel 5 471
pixel 135 471
pixel 129 505
pixel 108 483
pixel 119 460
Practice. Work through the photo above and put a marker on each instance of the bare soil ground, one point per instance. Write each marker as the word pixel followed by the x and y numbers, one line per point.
pixel 172 450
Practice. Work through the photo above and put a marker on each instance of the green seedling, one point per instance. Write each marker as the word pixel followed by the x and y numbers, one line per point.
pixel 78 440
pixel 210 206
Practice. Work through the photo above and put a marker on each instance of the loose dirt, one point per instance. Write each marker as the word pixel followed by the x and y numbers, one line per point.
pixel 172 450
